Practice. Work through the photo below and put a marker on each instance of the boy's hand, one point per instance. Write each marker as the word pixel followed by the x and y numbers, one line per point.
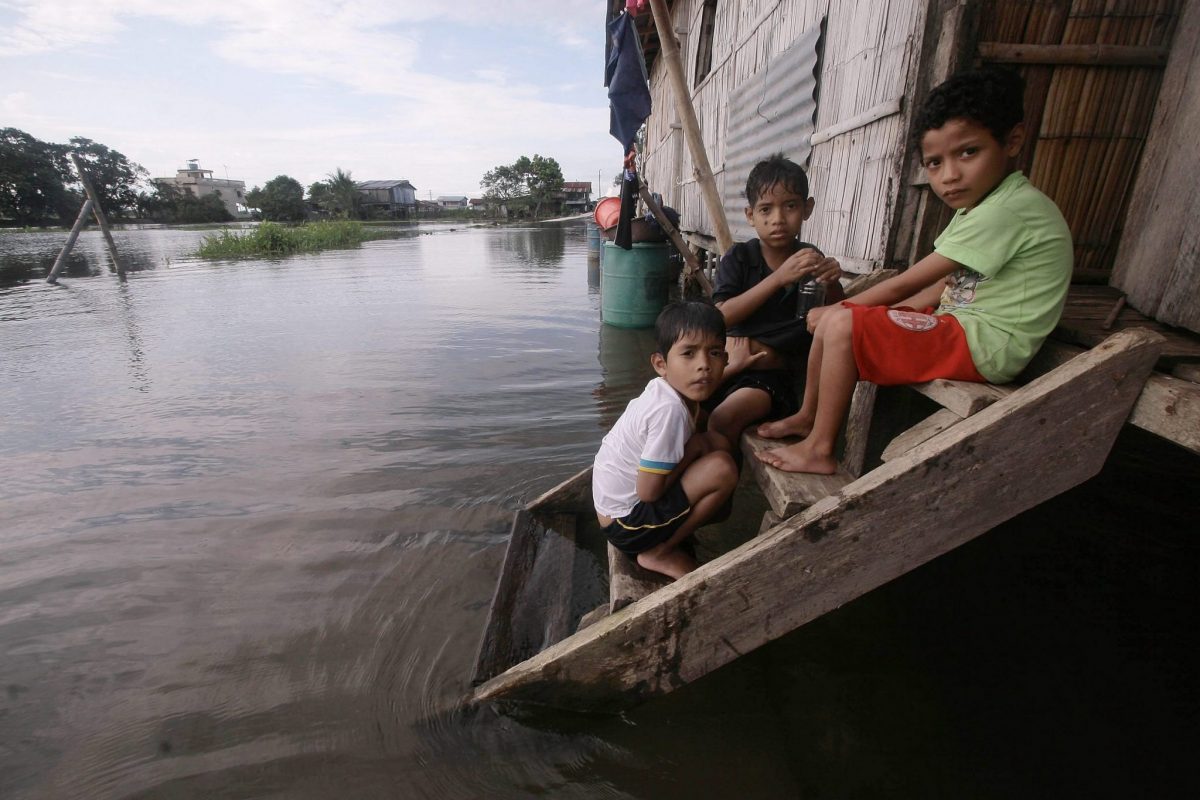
pixel 814 316
pixel 828 271
pixel 808 262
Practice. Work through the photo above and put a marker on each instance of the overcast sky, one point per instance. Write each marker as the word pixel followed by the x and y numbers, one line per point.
pixel 435 92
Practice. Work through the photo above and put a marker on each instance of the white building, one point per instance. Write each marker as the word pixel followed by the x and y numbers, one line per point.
pixel 201 182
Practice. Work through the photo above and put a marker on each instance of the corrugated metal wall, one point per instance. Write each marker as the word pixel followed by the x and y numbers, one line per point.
pixel 772 111
pixel 869 53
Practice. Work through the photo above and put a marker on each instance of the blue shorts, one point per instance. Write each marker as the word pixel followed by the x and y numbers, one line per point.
pixel 650 524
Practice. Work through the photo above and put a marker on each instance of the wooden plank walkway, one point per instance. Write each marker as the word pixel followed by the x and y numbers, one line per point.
pixel 1026 447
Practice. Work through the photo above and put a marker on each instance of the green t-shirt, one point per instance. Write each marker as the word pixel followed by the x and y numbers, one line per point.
pixel 1016 256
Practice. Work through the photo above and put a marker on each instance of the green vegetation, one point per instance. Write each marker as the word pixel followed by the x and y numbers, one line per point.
pixel 280 200
pixel 273 240
pixel 530 181
pixel 38 184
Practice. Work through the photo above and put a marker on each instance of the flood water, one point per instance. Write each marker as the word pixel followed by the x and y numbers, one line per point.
pixel 252 514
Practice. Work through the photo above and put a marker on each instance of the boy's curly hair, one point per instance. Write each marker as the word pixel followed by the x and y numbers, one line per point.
pixel 776 169
pixel 680 318
pixel 992 96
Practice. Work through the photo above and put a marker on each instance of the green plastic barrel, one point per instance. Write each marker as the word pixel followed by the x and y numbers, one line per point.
pixel 634 284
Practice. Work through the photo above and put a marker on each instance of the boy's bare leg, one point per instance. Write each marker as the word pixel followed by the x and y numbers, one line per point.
pixel 838 375
pixel 708 482
pixel 739 410
pixel 801 423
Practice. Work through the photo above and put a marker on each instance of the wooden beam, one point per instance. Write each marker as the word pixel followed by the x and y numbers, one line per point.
pixel 1100 55
pixel 962 397
pixel 873 114
pixel 858 427
pixel 693 270
pixel 98 211
pixel 691 126
pixel 61 261
pixel 1039 441
pixel 1170 408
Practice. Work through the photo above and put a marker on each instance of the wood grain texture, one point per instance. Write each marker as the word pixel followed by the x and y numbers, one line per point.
pixel 788 493
pixel 931 426
pixel 1039 441
pixel 964 398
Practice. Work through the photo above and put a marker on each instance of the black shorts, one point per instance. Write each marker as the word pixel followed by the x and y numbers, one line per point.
pixel 777 383
pixel 650 524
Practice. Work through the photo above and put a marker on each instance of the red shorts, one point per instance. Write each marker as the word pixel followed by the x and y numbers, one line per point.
pixel 895 346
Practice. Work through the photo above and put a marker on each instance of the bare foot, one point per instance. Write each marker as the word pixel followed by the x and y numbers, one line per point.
pixel 798 458
pixel 795 425
pixel 673 562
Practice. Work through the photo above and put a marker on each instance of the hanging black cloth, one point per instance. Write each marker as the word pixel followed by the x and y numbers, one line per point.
pixel 625 77
pixel 629 198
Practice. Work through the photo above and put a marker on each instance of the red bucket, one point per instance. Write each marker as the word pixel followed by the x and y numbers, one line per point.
pixel 607 212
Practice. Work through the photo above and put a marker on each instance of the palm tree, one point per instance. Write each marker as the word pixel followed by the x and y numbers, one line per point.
pixel 344 193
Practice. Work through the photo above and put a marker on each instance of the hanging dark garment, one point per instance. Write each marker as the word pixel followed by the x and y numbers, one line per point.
pixel 629 198
pixel 625 77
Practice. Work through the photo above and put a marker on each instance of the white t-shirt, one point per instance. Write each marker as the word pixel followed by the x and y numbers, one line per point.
pixel 649 437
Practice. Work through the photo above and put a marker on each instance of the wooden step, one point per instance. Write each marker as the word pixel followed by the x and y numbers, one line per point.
pixel 1037 442
pixel 931 426
pixel 787 492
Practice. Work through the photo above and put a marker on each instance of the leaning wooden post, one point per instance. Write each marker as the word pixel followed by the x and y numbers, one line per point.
pixel 99 212
pixel 80 221
pixel 691 127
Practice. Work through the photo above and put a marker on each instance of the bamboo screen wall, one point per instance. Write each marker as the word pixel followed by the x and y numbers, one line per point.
pixel 868 59
pixel 1091 119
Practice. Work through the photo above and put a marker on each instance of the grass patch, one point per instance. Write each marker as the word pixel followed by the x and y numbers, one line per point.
pixel 270 239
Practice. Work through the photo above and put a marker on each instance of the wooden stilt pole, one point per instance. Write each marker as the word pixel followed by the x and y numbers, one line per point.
pixel 61 261
pixel 100 218
pixel 691 127
pixel 693 271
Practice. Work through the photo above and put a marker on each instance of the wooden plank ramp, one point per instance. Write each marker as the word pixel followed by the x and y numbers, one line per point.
pixel 1025 448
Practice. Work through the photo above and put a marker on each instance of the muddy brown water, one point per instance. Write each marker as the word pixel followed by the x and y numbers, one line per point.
pixel 252 513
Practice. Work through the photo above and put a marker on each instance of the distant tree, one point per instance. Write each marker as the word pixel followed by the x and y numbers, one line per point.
pixel 502 184
pixel 320 198
pixel 544 178
pixel 281 199
pixel 33 177
pixel 114 176
pixel 537 179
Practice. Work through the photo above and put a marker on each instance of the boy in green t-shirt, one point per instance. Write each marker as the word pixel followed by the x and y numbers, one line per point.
pixel 998 275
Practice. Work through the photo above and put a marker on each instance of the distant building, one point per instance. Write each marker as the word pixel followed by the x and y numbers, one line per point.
pixel 200 182
pixel 452 201
pixel 576 195
pixel 390 198
pixel 478 204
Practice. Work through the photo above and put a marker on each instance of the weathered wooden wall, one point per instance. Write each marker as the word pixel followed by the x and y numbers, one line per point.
pixel 1158 263
pixel 868 65
pixel 1092 70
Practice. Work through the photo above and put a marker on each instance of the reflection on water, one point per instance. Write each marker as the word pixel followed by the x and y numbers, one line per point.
pixel 254 513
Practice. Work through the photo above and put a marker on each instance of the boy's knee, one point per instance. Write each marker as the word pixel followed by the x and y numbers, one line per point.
pixel 838 324
pixel 725 469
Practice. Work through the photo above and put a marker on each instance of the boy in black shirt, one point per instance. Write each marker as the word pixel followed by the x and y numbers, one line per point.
pixel 756 291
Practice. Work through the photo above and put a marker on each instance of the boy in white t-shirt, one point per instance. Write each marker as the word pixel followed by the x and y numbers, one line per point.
pixel 655 479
